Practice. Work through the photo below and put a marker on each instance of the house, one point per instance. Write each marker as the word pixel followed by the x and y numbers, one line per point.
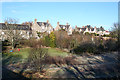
pixel 24 30
pixel 41 27
pixel 66 27
pixel 90 29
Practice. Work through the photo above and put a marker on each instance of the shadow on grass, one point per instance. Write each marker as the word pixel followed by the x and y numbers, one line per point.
pixel 9 58
pixel 9 75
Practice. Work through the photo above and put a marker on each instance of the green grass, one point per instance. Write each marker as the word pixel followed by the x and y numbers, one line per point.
pixel 54 52
pixel 14 57
pixel 22 55
pixel 23 52
pixel 51 51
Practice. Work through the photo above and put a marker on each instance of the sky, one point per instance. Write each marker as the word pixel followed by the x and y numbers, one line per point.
pixel 75 13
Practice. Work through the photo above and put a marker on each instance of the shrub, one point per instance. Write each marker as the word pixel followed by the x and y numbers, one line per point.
pixel 61 39
pixel 58 60
pixel 93 34
pixel 32 43
pixel 97 34
pixel 110 45
pixel 87 33
pixel 37 58
pixel 5 43
pixel 52 39
pixel 47 41
pixel 100 48
pixel 85 47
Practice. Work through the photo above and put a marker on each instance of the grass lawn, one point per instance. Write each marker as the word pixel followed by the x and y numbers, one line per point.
pixel 51 51
pixel 55 52
pixel 23 52
pixel 18 56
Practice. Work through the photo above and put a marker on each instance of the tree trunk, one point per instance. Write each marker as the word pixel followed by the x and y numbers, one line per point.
pixel 12 44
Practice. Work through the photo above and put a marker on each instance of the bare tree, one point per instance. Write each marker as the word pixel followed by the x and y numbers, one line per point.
pixel 27 23
pixel 37 58
pixel 11 31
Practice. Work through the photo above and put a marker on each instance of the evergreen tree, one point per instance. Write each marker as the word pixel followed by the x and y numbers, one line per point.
pixel 52 39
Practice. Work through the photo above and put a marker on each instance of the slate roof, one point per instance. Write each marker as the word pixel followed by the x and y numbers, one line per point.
pixel 66 26
pixel 83 29
pixel 89 27
pixel 99 29
pixel 78 28
pixel 45 24
pixel 92 29
pixel 18 27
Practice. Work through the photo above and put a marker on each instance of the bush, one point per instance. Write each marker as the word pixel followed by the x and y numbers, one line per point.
pixel 58 60
pixel 85 47
pixel 32 43
pixel 37 59
pixel 61 39
pixel 97 34
pixel 47 41
pixel 5 43
pixel 100 48
pixel 87 33
pixel 52 39
pixel 110 45
pixel 106 35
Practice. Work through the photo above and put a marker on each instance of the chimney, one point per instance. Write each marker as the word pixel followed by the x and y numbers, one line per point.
pixel 82 26
pixel 67 23
pixel 58 23
pixel 42 23
pixel 47 21
pixel 35 20
pixel 76 26
pixel 5 22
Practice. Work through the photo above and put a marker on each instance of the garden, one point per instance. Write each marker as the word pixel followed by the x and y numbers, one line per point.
pixel 57 55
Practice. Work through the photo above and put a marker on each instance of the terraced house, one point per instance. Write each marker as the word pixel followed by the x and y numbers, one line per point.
pixel 66 27
pixel 41 27
pixel 24 30
pixel 27 30
pixel 90 29
pixel 32 29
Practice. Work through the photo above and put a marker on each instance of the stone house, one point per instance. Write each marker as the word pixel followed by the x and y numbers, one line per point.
pixel 66 27
pixel 41 27
pixel 90 29
pixel 24 30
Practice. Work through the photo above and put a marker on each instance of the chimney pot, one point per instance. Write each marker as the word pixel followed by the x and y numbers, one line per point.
pixel 5 22
pixel 35 20
pixel 58 23
pixel 67 23
pixel 76 26
pixel 47 21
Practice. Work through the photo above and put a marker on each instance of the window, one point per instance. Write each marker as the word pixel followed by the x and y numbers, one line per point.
pixel 42 27
pixel 21 32
pixel 28 33
pixel 2 32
